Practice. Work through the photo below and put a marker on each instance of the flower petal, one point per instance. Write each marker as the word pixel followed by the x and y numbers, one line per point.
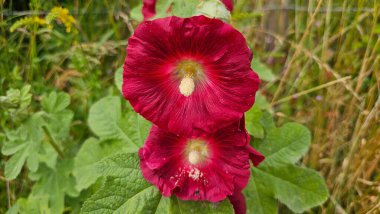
pixel 219 99
pixel 149 8
pixel 164 163
pixel 229 4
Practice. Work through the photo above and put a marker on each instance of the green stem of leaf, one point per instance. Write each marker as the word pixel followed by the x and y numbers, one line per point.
pixel 53 142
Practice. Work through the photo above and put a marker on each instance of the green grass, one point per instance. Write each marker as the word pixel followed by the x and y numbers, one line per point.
pixel 325 56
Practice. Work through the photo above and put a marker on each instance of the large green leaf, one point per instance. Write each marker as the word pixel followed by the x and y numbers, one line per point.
pixel 286 144
pixel 277 178
pixel 107 121
pixel 91 152
pixel 298 188
pixel 125 190
pixel 201 207
pixel 259 197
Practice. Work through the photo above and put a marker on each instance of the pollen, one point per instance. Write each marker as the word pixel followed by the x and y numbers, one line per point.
pixel 189 72
pixel 196 152
pixel 186 87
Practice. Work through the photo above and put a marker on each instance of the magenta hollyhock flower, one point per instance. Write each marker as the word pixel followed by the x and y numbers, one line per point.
pixel 149 8
pixel 206 167
pixel 229 4
pixel 189 75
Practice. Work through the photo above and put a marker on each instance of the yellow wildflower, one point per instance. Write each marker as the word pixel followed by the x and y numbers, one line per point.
pixel 61 15
pixel 29 21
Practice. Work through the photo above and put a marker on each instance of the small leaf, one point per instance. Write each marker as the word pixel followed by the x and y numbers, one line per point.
pixel 119 78
pixel 252 119
pixel 14 165
pixel 264 72
pixel 262 103
pixel 125 190
pixel 213 9
pixel 31 205
pixel 163 8
pixel 136 13
pixel 55 102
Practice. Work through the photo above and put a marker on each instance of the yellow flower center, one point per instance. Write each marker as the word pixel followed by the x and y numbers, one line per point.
pixel 196 151
pixel 188 71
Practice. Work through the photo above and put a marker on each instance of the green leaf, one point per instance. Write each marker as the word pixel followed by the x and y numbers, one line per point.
pixel 184 8
pixel 29 143
pixel 262 103
pixel 252 122
pixel 55 102
pixel 162 8
pixel 56 183
pixel 15 163
pixel 264 72
pixel 201 207
pixel 107 122
pixel 286 144
pixel 277 178
pixel 24 145
pixel 31 205
pixel 259 197
pixel 104 117
pixel 136 13
pixel 16 98
pixel 119 78
pixel 16 103
pixel 298 188
pixel 213 9
pixel 125 190
pixel 86 160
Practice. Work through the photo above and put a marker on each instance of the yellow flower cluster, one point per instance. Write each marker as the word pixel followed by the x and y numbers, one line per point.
pixel 59 14
pixel 62 15
pixel 29 21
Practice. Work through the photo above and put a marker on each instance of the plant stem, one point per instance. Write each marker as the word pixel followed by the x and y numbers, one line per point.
pixel 53 142
pixel 310 90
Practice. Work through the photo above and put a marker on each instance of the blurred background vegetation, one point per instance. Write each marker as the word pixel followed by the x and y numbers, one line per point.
pixel 319 61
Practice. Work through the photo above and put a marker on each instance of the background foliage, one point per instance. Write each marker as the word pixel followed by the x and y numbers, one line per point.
pixel 67 137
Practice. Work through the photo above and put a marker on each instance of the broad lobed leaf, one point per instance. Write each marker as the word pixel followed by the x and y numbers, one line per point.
pixel 277 178
pixel 107 122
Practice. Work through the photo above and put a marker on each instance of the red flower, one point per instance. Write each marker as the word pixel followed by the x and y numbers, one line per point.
pixel 189 74
pixel 149 8
pixel 229 4
pixel 206 167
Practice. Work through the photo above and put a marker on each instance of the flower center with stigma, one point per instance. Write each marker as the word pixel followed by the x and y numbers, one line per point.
pixel 189 71
pixel 196 151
